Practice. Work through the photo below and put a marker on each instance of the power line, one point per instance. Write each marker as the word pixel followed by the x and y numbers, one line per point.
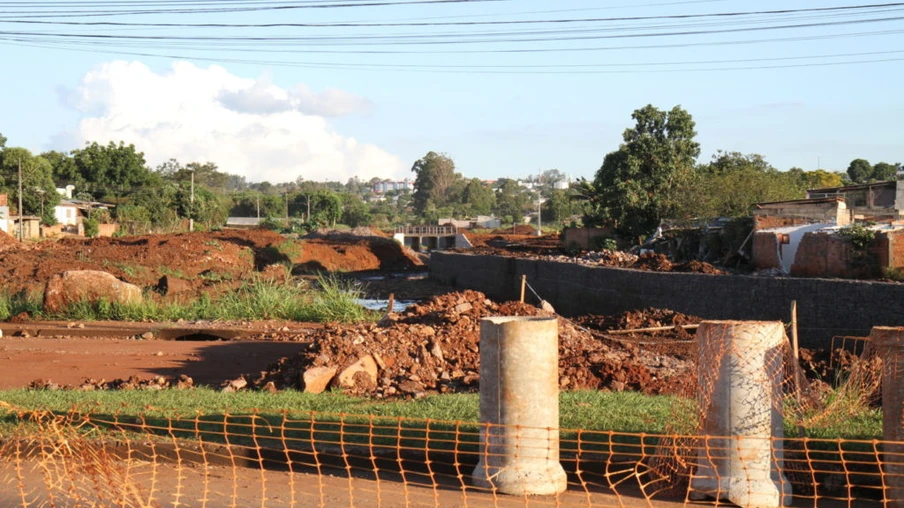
pixel 70 9
pixel 735 14
pixel 451 39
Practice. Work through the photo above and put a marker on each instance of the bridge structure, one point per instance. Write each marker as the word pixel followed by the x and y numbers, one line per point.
pixel 426 238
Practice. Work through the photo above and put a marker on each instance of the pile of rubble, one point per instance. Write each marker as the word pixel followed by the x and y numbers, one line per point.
pixel 433 348
pixel 649 261
pixel 133 383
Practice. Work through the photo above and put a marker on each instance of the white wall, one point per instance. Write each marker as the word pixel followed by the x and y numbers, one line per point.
pixel 66 215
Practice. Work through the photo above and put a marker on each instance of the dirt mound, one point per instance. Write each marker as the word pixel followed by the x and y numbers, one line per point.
pixel 347 234
pixel 7 240
pixel 653 262
pixel 433 347
pixel 697 267
pixel 350 253
pixel 204 260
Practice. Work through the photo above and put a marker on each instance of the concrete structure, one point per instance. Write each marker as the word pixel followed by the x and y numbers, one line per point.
pixel 519 406
pixel 430 238
pixel 816 250
pixel 827 210
pixel 481 221
pixel 877 201
pixel 68 213
pixel 826 307
pixel 243 222
pixel 889 344
pixel 31 226
pixel 739 394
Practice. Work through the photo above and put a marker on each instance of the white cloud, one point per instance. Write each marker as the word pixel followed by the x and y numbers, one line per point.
pixel 247 127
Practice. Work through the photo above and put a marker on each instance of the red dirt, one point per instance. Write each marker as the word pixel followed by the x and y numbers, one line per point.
pixel 204 259
pixel 433 347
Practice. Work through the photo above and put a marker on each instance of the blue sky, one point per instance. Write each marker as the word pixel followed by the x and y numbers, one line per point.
pixel 362 108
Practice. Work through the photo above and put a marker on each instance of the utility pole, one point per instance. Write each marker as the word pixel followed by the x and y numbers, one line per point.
pixel 539 201
pixel 191 213
pixel 258 206
pixel 21 223
pixel 287 207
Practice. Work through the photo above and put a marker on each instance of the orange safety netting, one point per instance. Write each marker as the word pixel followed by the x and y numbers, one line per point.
pixel 294 458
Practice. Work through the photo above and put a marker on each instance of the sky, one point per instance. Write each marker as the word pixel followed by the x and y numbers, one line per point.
pixel 506 88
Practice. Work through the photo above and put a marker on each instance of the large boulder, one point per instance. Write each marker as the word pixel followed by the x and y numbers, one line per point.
pixel 87 285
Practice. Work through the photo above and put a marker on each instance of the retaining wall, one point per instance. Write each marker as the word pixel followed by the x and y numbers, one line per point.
pixel 826 307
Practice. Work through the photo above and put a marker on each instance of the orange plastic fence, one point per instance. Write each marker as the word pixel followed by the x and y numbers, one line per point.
pixel 316 459
pixel 293 458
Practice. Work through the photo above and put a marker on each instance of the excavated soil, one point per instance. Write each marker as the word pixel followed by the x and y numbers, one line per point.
pixel 525 243
pixel 433 348
pixel 201 259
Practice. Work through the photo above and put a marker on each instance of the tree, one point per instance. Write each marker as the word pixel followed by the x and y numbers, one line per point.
pixel 510 199
pixel 883 171
pixel 355 212
pixel 480 198
pixel 39 192
pixel 860 171
pixel 558 207
pixel 640 184
pixel 109 169
pixel 818 179
pixel 2 141
pixel 726 162
pixel 435 177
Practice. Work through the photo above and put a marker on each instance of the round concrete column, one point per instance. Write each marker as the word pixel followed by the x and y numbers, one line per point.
pixel 519 407
pixel 740 396
pixel 889 344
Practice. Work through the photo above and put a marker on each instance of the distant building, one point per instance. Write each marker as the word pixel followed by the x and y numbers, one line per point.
pixel 800 237
pixel 243 222
pixel 388 185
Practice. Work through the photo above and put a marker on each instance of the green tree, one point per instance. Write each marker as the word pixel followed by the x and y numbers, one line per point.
pixel 435 178
pixel 641 183
pixel 559 206
pixel 478 196
pixel 110 169
pixel 2 141
pixel 860 171
pixel 510 199
pixel 883 171
pixel 355 212
pixel 39 192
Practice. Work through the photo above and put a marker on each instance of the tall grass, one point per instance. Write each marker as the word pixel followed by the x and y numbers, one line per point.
pixel 329 299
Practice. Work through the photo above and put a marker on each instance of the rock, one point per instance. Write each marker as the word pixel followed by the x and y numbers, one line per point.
pixel 235 385
pixel 185 382
pixel 461 308
pixel 379 359
pixel 316 379
pixel 169 285
pixel 74 286
pixel 147 335
pixel 411 387
pixel 361 374
pixel 270 387
pixel 547 306
pixel 437 351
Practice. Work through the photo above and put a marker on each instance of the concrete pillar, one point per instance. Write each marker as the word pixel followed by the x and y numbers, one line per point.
pixel 519 407
pixel 740 396
pixel 889 344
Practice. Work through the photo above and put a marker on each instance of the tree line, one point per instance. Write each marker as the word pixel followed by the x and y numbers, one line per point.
pixel 652 176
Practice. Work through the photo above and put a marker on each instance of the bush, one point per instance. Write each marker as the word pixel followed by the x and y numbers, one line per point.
pixel 92 227
pixel 603 243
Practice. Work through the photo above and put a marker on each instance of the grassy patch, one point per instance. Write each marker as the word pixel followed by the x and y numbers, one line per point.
pixel 261 298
